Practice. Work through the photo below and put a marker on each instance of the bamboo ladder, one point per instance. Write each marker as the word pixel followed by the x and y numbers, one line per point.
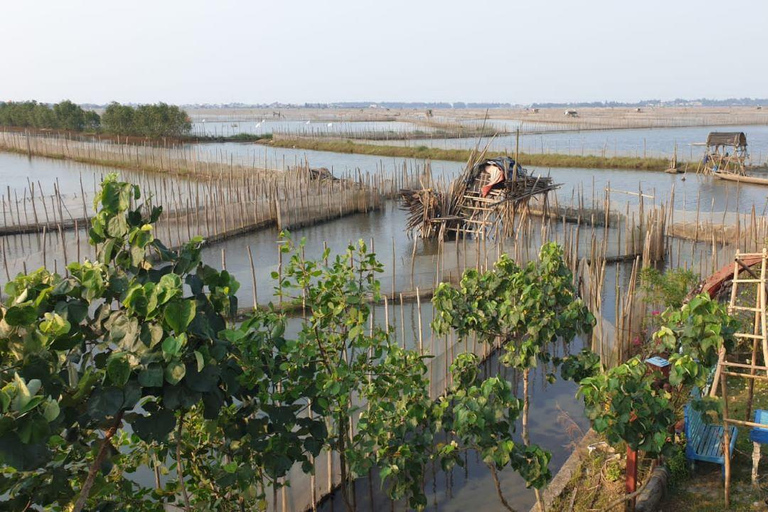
pixel 479 213
pixel 759 337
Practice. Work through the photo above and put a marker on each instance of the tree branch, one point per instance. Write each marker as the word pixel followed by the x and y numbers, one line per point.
pixel 179 467
pixel 88 484
pixel 498 487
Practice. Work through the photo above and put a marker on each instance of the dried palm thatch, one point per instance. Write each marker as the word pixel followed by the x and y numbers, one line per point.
pixel 488 192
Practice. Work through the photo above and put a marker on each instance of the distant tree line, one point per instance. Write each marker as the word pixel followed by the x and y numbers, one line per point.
pixel 159 120
pixel 678 102
pixel 63 116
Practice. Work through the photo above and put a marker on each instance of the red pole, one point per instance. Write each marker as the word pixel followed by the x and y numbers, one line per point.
pixel 631 476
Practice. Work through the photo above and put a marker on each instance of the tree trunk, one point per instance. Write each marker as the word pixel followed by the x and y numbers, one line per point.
pixel 526 437
pixel 88 484
pixel 343 462
pixel 498 488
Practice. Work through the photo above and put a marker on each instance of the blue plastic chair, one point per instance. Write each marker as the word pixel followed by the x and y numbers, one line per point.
pixel 758 436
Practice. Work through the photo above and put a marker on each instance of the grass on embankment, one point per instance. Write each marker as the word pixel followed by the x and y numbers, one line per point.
pixel 140 139
pixel 462 155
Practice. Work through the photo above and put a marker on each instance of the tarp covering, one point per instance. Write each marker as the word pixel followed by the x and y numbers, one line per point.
pixel 735 139
pixel 504 163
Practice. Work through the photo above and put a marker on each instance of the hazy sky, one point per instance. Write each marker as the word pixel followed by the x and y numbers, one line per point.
pixel 323 51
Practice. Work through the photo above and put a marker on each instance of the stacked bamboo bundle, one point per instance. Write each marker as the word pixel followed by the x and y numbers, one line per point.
pixel 423 206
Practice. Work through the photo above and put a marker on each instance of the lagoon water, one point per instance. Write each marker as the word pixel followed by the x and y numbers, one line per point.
pixel 652 142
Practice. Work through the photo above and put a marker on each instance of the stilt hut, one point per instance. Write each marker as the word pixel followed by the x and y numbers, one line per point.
pixel 726 153
pixel 481 202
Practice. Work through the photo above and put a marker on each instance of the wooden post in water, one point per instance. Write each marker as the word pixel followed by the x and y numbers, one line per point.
pixel 253 279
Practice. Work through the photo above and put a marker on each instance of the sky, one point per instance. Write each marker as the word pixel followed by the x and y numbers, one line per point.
pixel 297 51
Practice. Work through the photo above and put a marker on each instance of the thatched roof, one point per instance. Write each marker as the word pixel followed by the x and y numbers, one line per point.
pixel 735 139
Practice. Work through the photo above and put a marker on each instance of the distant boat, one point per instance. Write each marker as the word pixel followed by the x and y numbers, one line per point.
pixel 741 178
pixel 307 122
pixel 330 124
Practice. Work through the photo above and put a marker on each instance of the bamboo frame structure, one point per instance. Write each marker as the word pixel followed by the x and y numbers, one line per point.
pixel 473 206
pixel 759 338
pixel 726 153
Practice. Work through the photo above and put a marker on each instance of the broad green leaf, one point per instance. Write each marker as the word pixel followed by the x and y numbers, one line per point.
pixel 34 430
pixel 31 404
pixel 105 402
pixel 172 346
pixel 5 401
pixel 118 369
pixel 22 315
pixel 156 426
pixel 151 376
pixel 174 372
pixel 179 314
pixel 51 410
pixel 54 324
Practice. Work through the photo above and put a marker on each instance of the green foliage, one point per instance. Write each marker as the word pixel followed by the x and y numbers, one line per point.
pixel 80 353
pixel 613 470
pixel 626 403
pixel 31 114
pixel 358 363
pixel 69 116
pixel 131 362
pixel 668 289
pixel 580 366
pixel 159 120
pixel 678 465
pixel 695 333
pixel 528 308
pixel 481 415
pixel 625 406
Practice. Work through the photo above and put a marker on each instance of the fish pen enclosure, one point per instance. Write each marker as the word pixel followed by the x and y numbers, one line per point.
pixel 726 153
pixel 480 202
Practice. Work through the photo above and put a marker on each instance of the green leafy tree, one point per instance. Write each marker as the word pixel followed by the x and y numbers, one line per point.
pixel 629 405
pixel 527 310
pixel 118 119
pixel 158 120
pixel 481 416
pixel 670 288
pixel 626 406
pixel 69 116
pixel 65 115
pixel 358 365
pixel 82 352
pixel 130 361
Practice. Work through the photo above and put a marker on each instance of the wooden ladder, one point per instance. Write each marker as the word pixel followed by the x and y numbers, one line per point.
pixel 759 334
pixel 759 328
pixel 759 338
